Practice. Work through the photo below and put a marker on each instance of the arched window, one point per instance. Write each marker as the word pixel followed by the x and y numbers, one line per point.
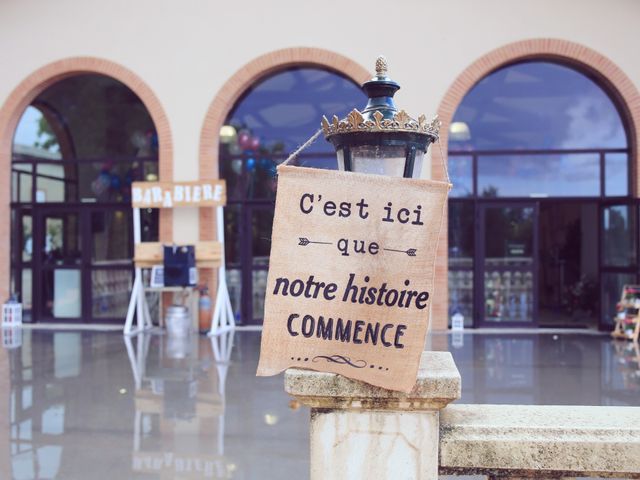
pixel 537 152
pixel 271 119
pixel 538 128
pixel 76 150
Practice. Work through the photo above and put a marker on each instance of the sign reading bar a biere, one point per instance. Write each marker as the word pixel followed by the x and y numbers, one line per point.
pixel 351 274
pixel 178 194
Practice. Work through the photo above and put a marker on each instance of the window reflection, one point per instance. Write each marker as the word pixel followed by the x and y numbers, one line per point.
pixel 111 289
pixel 53 420
pixel 510 362
pixel 619 236
pixel 35 136
pixel 508 261
pixel 461 174
pixel 543 131
pixel 611 285
pixel 67 350
pixel 537 105
pixel 460 278
pixel 522 175
pixel 538 129
pixel 461 218
pixel 274 117
pixel 616 174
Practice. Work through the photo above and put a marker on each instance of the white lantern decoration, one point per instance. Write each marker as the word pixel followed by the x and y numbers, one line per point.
pixel 457 321
pixel 11 337
pixel 12 313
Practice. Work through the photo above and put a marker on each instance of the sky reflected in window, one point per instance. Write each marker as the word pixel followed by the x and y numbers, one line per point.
pixel 284 110
pixel 537 105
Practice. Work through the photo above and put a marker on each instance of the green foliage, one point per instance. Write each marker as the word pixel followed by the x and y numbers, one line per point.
pixel 47 140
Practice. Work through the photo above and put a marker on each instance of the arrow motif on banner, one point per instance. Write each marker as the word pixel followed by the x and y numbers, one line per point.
pixel 303 241
pixel 411 252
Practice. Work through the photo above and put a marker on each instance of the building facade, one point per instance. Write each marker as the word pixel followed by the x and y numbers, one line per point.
pixel 540 111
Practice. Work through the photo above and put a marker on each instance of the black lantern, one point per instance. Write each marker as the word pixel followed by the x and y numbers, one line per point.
pixel 380 139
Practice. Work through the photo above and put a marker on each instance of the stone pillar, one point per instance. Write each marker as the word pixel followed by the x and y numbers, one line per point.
pixel 359 431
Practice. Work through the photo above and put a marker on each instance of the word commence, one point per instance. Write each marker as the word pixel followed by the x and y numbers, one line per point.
pixel 348 331
pixel 364 295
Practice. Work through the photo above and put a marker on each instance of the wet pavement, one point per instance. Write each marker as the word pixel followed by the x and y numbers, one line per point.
pixel 78 405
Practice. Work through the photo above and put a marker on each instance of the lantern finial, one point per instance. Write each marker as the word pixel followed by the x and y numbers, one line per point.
pixel 382 67
pixel 380 114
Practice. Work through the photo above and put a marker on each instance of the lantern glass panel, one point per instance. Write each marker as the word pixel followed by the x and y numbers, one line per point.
pixel 379 160
pixel 340 156
pixel 417 164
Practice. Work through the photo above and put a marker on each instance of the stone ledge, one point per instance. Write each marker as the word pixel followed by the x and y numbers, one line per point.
pixel 540 440
pixel 438 384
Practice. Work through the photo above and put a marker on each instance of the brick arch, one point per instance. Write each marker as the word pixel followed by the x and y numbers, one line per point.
pixel 28 90
pixel 608 75
pixel 243 79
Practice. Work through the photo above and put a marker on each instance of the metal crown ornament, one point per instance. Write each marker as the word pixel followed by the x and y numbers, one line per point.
pixel 381 115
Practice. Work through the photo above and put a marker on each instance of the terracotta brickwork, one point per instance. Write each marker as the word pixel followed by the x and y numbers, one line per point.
pixel 231 91
pixel 610 76
pixel 27 91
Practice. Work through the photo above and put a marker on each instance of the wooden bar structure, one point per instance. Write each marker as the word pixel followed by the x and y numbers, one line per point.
pixel 149 254
pixel 208 254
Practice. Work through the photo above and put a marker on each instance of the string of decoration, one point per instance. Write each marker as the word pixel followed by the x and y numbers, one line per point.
pixel 444 163
pixel 302 147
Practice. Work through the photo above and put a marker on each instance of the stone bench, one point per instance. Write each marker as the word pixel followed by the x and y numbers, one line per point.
pixel 540 441
pixel 363 432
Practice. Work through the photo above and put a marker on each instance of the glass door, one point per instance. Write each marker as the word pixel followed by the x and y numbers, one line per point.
pixel 22 258
pixel 618 256
pixel 108 262
pixel 82 263
pixel 57 258
pixel 258 222
pixel 248 244
pixel 506 270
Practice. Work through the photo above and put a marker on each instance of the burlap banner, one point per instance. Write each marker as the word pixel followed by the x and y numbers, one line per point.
pixel 351 274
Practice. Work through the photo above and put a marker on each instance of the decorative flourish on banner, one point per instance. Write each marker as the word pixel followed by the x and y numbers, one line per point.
pixel 411 252
pixel 341 360
pixel 303 241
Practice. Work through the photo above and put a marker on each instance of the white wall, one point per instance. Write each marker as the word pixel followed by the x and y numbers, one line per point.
pixel 185 50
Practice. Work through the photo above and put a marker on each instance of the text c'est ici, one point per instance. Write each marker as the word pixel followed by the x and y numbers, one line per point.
pixel 330 208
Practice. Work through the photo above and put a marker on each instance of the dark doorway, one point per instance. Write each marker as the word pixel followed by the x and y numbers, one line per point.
pixel 568 253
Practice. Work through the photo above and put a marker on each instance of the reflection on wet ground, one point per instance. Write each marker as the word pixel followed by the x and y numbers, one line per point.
pixel 96 405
